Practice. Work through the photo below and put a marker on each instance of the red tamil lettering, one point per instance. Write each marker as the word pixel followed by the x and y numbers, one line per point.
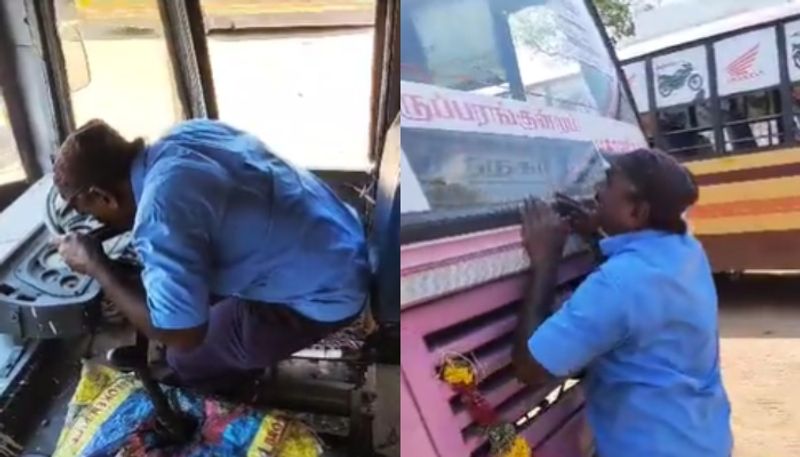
pixel 442 108
pixel 414 107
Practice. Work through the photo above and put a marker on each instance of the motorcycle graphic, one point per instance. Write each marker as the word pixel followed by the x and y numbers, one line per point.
pixel 685 75
pixel 796 54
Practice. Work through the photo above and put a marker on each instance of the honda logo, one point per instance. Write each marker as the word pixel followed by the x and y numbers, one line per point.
pixel 742 67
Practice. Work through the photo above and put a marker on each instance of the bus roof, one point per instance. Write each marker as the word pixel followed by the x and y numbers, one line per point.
pixel 708 30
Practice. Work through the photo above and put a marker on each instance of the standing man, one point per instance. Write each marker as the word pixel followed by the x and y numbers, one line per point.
pixel 643 325
pixel 246 258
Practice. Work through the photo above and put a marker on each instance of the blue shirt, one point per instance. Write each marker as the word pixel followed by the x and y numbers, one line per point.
pixel 644 325
pixel 219 214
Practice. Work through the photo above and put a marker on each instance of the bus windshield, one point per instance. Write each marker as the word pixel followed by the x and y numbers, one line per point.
pixel 502 99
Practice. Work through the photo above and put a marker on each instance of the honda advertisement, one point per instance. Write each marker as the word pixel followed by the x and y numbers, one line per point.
pixel 681 77
pixel 747 62
pixel 793 49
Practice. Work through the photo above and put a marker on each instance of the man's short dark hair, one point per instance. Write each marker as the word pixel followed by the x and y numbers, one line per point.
pixel 661 181
pixel 94 155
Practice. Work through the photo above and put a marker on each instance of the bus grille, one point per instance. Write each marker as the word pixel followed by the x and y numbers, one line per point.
pixel 477 323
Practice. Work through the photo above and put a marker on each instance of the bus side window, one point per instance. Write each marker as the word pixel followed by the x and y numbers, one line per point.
pixel 687 129
pixel 118 65
pixel 752 120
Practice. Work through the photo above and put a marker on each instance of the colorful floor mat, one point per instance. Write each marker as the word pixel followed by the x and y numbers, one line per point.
pixel 111 415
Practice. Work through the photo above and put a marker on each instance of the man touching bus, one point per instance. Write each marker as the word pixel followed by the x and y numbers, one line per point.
pixel 643 325
pixel 246 259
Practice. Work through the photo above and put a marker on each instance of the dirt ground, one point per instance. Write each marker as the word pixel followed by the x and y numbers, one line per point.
pixel 760 332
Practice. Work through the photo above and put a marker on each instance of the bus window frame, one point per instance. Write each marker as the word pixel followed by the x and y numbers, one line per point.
pixel 17 109
pixel 649 72
pixel 784 87
pixel 385 94
pixel 184 28
pixel 430 225
pixel 55 64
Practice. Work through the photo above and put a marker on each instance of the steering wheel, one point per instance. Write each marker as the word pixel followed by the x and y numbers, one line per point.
pixel 55 212
pixel 61 219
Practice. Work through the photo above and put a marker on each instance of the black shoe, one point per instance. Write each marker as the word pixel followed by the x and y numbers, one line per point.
pixel 127 358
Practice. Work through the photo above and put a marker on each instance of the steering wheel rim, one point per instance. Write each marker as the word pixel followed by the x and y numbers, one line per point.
pixel 53 217
pixel 60 220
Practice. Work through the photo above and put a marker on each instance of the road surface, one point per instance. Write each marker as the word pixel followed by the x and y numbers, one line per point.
pixel 760 333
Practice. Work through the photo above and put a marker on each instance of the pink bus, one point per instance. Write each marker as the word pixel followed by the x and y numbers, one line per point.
pixel 501 99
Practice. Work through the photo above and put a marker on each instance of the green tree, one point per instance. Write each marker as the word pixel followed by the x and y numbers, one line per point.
pixel 616 16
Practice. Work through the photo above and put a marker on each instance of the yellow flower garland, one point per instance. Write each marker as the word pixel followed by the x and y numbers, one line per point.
pixel 458 371
pixel 519 448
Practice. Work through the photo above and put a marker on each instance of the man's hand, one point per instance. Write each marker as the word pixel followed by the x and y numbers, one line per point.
pixel 543 232
pixel 582 217
pixel 82 253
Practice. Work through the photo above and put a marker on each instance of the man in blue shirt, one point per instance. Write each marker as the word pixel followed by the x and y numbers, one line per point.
pixel 246 259
pixel 643 325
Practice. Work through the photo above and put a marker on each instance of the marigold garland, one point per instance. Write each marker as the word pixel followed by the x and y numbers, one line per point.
pixel 461 375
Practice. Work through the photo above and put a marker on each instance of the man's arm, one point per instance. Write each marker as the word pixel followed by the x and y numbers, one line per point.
pixel 129 297
pixel 535 309
pixel 85 255
pixel 543 236
pixel 590 323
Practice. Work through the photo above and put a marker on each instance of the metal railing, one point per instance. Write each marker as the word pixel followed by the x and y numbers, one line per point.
pixel 693 149
pixel 774 136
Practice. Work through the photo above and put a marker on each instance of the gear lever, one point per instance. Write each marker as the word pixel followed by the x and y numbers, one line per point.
pixel 172 425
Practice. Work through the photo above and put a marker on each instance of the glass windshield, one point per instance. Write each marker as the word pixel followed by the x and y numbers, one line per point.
pixel 507 98
pixel 305 91
pixel 118 65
